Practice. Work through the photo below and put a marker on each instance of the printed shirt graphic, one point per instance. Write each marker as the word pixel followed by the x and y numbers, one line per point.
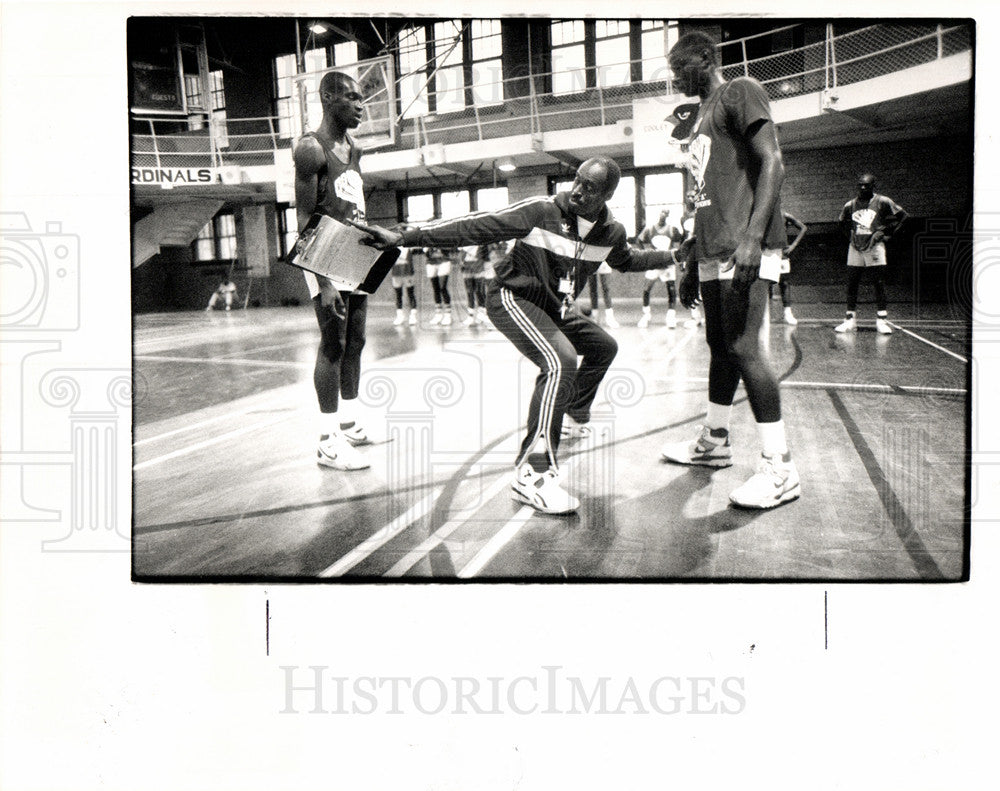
pixel 341 191
pixel 866 220
pixel 724 175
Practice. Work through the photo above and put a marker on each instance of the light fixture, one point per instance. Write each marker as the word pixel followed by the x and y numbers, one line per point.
pixel 318 28
pixel 506 164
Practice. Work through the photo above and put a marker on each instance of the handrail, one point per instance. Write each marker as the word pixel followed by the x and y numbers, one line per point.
pixel 782 73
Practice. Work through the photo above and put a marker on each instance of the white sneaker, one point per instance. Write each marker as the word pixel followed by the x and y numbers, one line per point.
pixel 775 482
pixel 542 491
pixel 480 315
pixel 609 319
pixel 706 450
pixel 413 317
pixel 400 318
pixel 695 321
pixel 438 315
pixel 882 326
pixel 469 320
pixel 356 435
pixel 572 430
pixel 672 319
pixel 789 318
pixel 849 324
pixel 644 319
pixel 336 451
pixel 446 319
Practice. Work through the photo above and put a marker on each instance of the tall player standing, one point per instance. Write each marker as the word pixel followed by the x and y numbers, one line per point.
pixel 328 181
pixel 738 170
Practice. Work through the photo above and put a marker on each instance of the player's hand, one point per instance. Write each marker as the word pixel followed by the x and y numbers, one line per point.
pixel 329 297
pixel 687 290
pixel 746 260
pixel 380 238
pixel 877 237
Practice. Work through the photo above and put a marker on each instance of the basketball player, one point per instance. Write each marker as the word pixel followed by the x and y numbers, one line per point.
pixel 438 269
pixel 664 235
pixel 402 277
pixel 227 291
pixel 609 313
pixel 328 181
pixel 737 170
pixel 870 219
pixel 786 268
pixel 560 241
pixel 474 274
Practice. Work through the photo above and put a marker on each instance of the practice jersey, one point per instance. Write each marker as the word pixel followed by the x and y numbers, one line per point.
pixel 724 173
pixel 880 214
pixel 340 192
pixel 548 255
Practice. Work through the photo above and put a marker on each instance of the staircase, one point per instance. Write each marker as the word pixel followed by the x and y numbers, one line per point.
pixel 170 225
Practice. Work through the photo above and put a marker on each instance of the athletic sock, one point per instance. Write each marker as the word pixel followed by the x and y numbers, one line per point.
pixel 772 438
pixel 718 416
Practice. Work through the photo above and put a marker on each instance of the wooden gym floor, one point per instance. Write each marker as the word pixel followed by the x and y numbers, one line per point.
pixel 226 487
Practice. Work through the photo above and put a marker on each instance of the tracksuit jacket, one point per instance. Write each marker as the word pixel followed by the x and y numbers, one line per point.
pixel 547 248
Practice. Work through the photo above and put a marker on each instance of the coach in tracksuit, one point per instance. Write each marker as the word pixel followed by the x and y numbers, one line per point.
pixel 560 243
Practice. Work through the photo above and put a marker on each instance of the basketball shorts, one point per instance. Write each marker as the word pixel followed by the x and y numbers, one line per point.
pixel 442 269
pixel 770 268
pixel 603 269
pixel 668 275
pixel 402 281
pixel 873 256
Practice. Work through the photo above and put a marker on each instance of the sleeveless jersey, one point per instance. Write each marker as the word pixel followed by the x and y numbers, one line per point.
pixel 340 190
pixel 724 174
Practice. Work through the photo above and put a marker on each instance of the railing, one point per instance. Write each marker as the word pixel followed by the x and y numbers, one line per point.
pixel 519 106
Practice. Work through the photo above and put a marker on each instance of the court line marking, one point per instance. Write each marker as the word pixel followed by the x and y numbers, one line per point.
pixel 266 406
pixel 216 361
pixel 208 442
pixel 257 349
pixel 928 342
pixel 381 536
pixel 415 555
pixel 877 388
pixel 503 537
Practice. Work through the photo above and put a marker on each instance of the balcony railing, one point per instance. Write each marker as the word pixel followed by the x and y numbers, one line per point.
pixel 518 106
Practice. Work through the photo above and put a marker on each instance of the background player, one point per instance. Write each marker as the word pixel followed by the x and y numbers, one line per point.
pixel 869 219
pixel 786 268
pixel 665 235
pixel 328 181
pixel 601 275
pixel 402 277
pixel 737 169
pixel 438 270
pixel 560 241
pixel 473 272
pixel 226 292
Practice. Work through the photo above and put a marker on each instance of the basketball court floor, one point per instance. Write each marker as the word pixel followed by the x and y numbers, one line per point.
pixel 226 486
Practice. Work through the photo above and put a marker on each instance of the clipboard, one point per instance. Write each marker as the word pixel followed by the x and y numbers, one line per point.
pixel 332 249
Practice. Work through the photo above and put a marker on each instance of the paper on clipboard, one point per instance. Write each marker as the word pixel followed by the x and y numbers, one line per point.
pixel 335 251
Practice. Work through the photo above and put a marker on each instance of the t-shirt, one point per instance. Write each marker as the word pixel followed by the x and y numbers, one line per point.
pixel 724 173
pixel 880 214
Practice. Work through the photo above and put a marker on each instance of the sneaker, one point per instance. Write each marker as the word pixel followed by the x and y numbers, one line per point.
pixel 695 321
pixel 848 325
pixel 446 319
pixel 609 319
pixel 644 319
pixel 438 315
pixel 573 430
pixel 480 317
pixel 336 451
pixel 882 327
pixel 469 320
pixel 542 491
pixel 413 317
pixel 775 482
pixel 672 319
pixel 707 451
pixel 400 318
pixel 789 318
pixel 356 435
